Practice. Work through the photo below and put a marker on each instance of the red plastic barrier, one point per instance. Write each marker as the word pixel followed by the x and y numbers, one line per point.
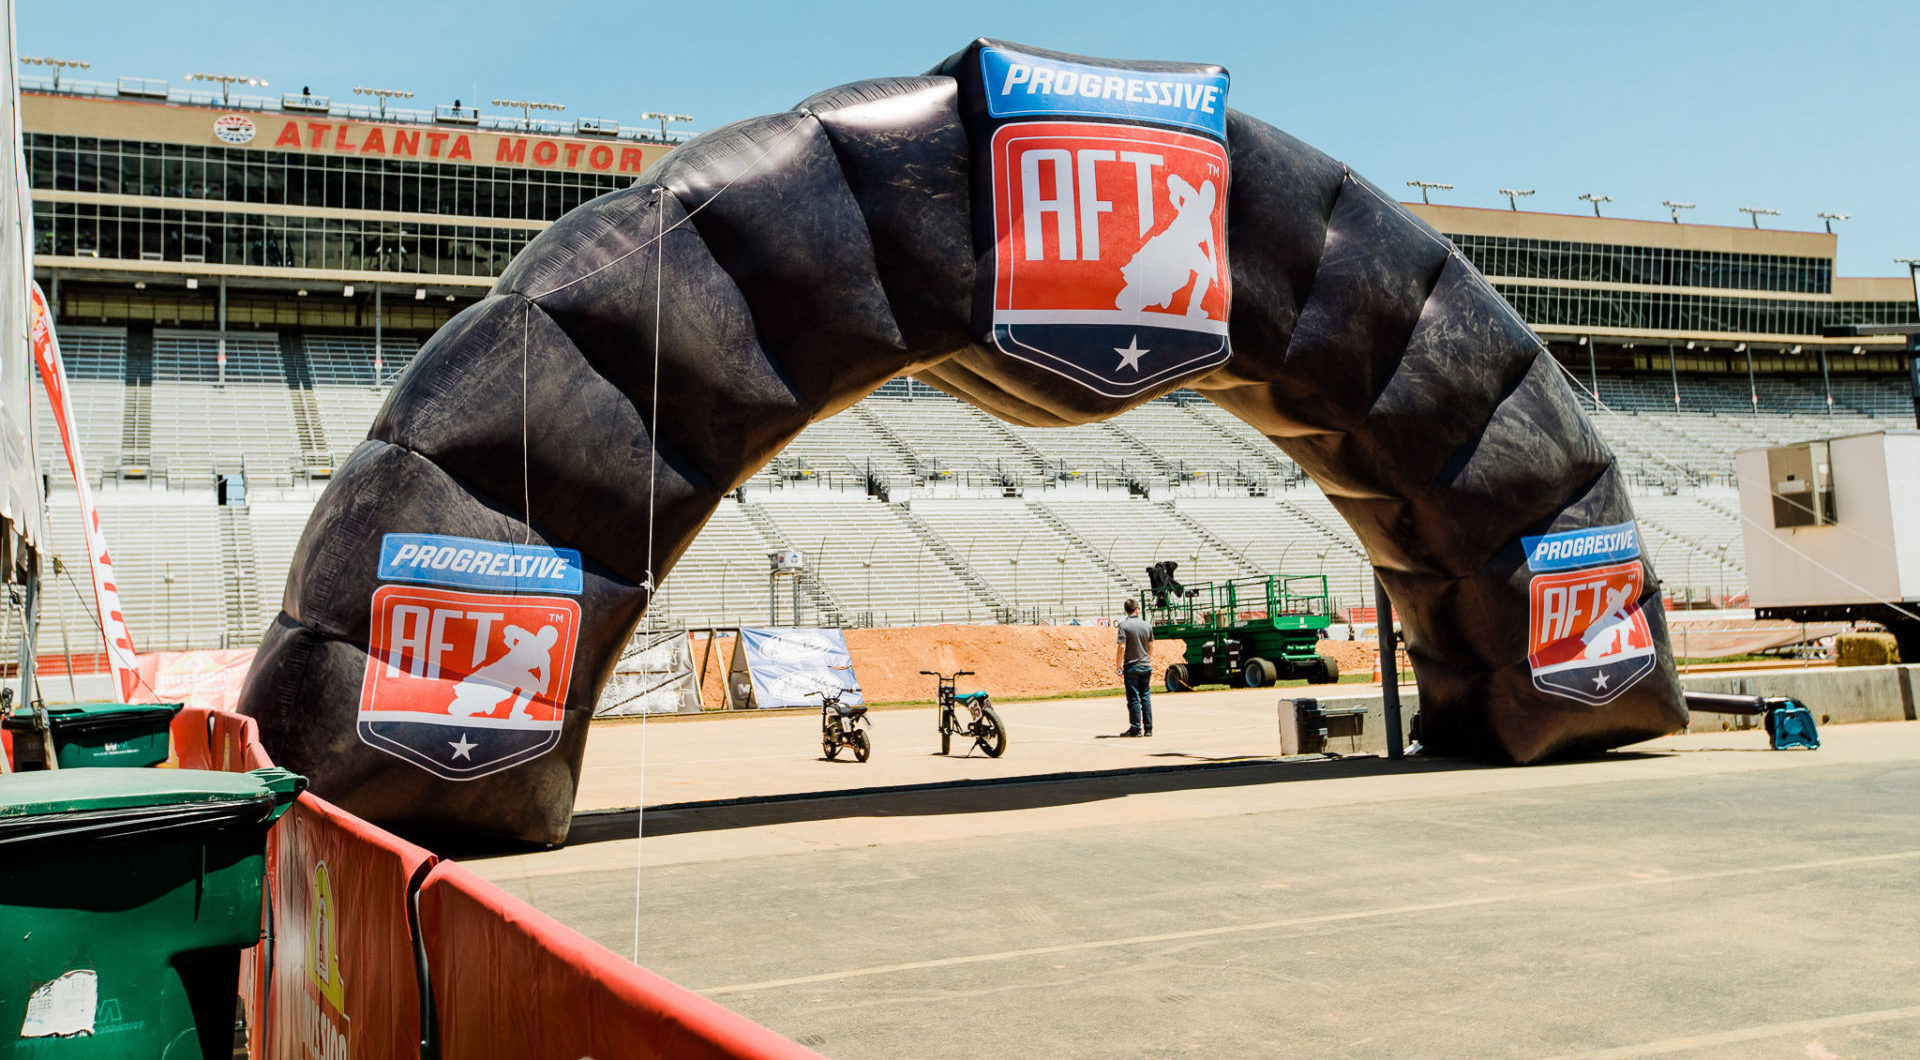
pixel 511 982
pixel 345 982
pixel 231 736
pixel 192 739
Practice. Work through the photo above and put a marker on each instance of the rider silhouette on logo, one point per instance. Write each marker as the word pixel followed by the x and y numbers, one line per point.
pixel 1183 252
pixel 1611 632
pixel 520 673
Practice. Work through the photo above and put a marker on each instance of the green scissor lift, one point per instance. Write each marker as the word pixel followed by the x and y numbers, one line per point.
pixel 1251 631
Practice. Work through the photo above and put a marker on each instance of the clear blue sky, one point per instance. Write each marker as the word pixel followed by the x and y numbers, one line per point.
pixel 1796 106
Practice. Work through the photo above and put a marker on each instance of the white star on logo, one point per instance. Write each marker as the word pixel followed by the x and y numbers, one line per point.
pixel 1130 356
pixel 462 749
pixel 1600 681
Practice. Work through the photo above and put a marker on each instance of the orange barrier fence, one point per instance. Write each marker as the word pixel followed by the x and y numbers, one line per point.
pixel 344 969
pixel 192 739
pixel 510 982
pixel 346 965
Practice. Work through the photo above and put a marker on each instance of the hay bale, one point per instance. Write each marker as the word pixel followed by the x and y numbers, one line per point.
pixel 1865 649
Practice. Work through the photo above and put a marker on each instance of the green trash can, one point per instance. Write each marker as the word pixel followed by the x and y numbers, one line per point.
pixel 94 734
pixel 126 896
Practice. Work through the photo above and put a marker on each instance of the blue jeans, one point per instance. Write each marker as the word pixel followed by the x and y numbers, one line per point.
pixel 1139 681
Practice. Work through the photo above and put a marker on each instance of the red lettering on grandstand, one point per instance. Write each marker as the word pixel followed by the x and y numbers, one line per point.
pixel 512 150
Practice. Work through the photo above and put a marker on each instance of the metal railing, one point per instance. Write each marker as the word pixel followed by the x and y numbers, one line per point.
pixel 306 103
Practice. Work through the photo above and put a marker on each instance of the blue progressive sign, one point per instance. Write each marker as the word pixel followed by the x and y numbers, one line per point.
pixel 1022 85
pixel 471 563
pixel 1582 548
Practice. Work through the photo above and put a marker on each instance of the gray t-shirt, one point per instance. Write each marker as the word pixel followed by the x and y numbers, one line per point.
pixel 1138 637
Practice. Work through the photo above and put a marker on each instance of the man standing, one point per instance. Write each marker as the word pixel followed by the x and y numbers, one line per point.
pixel 1133 658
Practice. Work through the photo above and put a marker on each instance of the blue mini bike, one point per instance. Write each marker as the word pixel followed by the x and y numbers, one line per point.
pixel 983 723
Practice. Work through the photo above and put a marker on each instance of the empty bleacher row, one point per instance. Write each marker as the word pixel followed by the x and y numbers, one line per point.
pixel 911 506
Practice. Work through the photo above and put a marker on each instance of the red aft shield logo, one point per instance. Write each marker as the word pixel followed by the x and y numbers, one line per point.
pixel 1110 252
pixel 1588 638
pixel 464 684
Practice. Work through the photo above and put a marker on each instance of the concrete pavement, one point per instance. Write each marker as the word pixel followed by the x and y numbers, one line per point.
pixel 1697 896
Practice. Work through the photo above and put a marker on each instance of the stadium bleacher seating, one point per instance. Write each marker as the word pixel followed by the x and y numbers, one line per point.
pixel 911 506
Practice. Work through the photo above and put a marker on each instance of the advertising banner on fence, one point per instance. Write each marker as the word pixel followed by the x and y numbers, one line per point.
pixel 208 679
pixel 344 979
pixel 511 982
pixel 783 665
pixel 657 678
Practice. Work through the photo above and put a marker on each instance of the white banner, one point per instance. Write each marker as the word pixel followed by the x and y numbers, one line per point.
pixel 658 679
pixel 785 664
pixel 106 593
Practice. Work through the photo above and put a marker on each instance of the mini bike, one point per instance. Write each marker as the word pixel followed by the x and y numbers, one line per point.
pixel 840 726
pixel 983 723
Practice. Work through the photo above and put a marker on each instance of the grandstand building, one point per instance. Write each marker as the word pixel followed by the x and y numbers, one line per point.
pixel 238 281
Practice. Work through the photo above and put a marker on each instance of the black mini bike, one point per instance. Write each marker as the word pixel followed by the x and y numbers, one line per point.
pixel 983 724
pixel 840 726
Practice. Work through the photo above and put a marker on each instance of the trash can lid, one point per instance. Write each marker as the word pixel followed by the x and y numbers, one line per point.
pixel 74 717
pixel 88 805
pixel 104 788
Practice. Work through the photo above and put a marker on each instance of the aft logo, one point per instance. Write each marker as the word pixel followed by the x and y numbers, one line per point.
pixel 464 684
pixel 1110 252
pixel 1588 638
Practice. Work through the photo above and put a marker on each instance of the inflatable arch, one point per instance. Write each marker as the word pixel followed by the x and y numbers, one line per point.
pixel 1001 228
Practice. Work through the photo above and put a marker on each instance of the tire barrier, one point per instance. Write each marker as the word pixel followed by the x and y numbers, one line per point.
pixel 1052 238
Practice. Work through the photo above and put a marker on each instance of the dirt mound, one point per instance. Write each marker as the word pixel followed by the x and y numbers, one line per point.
pixel 1006 660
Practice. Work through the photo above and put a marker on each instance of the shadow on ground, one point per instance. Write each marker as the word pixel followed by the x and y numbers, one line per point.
pixel 1016 793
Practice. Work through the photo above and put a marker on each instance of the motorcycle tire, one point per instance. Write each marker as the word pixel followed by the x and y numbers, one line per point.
pixel 862 747
pixel 992 736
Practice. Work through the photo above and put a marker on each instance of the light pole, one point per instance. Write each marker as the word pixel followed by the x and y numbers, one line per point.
pixel 1062 560
pixel 663 119
pixel 1015 561
pixel 1755 212
pixel 527 107
pixel 1753 388
pixel 1426 186
pixel 1832 217
pixel 868 564
pixel 1596 200
pixel 1676 207
pixel 383 94
pixel 1514 195
pixel 1723 572
pixel 57 64
pixel 226 82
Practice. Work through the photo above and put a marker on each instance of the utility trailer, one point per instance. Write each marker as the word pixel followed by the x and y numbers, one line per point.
pixel 1832 531
pixel 1251 631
